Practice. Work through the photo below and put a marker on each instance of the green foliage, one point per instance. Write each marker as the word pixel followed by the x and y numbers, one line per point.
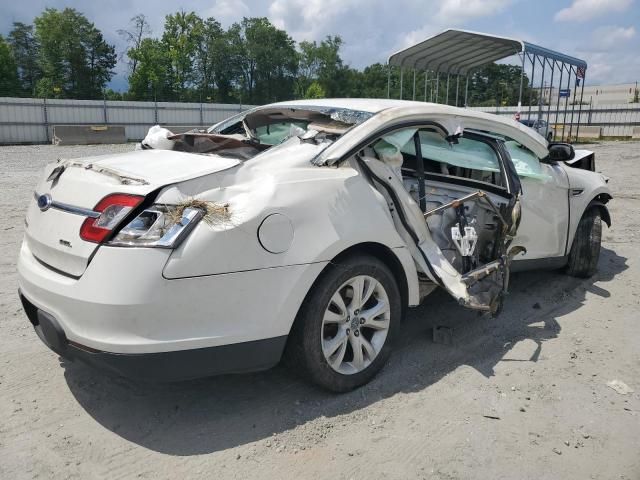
pixel 194 59
pixel 266 60
pixel 9 83
pixel 179 44
pixel 25 49
pixel 150 78
pixel 75 60
pixel 315 90
pixel 497 85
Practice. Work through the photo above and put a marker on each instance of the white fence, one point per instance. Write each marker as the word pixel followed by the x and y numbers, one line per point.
pixel 31 120
pixel 615 120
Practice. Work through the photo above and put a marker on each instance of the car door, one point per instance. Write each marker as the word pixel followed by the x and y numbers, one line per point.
pixel 443 192
pixel 545 207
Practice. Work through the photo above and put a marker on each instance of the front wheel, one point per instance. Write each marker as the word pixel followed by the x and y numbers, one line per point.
pixel 343 334
pixel 585 250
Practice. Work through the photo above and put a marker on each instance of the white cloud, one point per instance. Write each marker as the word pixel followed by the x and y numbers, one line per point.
pixel 612 36
pixel 452 13
pixel 582 10
pixel 309 19
pixel 228 11
pixel 458 11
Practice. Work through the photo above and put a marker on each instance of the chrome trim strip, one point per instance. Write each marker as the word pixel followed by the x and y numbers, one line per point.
pixel 65 207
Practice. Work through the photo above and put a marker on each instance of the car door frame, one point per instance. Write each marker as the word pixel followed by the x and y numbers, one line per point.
pixel 454 283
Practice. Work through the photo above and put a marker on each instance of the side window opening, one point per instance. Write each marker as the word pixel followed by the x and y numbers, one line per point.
pixel 467 158
pixel 526 163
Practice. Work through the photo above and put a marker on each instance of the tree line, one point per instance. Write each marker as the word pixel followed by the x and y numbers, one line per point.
pixel 63 55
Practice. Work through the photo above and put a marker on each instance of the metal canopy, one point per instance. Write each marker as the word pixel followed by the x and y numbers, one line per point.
pixel 458 52
pixel 461 52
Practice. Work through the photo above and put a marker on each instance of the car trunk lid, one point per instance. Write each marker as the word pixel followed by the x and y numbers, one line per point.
pixel 70 190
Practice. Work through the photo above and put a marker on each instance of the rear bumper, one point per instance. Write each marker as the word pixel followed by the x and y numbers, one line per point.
pixel 159 366
pixel 123 305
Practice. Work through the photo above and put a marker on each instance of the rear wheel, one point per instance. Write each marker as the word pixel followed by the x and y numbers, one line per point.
pixel 342 337
pixel 585 250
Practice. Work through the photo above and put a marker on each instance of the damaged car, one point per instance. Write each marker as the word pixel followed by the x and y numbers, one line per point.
pixel 302 230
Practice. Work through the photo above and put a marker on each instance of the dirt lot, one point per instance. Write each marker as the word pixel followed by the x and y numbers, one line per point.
pixel 524 395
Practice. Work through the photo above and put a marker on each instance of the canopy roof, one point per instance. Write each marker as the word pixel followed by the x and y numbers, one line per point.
pixel 460 51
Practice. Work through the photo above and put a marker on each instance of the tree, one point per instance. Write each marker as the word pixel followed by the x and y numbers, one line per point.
pixel 139 29
pixel 9 83
pixel 495 85
pixel 315 90
pixel 372 82
pixel 25 49
pixel 212 53
pixel 75 60
pixel 321 63
pixel 149 80
pixel 266 60
pixel 179 42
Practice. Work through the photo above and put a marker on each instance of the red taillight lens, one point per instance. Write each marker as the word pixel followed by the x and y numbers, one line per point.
pixel 113 208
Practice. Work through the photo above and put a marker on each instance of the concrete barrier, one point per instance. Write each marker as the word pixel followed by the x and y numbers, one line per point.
pixel 588 131
pixel 635 134
pixel 88 134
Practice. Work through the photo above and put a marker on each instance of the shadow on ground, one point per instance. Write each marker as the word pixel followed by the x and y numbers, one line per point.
pixel 209 415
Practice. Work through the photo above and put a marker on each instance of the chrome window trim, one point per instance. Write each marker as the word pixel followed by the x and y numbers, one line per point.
pixel 65 207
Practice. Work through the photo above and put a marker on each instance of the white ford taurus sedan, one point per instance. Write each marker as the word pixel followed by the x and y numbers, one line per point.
pixel 301 229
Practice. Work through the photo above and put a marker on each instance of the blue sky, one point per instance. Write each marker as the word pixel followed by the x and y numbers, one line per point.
pixel 606 33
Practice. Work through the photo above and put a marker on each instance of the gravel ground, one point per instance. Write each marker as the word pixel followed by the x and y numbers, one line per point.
pixel 524 395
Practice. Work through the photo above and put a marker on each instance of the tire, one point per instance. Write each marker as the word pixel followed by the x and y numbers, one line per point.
pixel 330 327
pixel 585 250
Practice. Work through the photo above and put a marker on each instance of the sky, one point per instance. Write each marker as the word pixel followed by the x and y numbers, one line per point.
pixel 605 33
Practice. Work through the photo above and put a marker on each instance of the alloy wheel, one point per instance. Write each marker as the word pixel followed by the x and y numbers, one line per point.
pixel 355 325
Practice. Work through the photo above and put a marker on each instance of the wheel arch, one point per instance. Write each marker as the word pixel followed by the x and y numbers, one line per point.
pixel 599 203
pixel 382 253
pixel 388 257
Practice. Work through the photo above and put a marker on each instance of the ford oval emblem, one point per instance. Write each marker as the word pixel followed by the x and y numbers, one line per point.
pixel 44 202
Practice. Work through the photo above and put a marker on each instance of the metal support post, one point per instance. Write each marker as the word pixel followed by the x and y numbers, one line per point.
pixel 426 77
pixel 566 102
pixel 414 84
pixel 447 96
pixel 553 67
pixel 581 96
pixel 466 92
pixel 533 74
pixel 45 114
pixel 521 83
pixel 558 102
pixel 541 94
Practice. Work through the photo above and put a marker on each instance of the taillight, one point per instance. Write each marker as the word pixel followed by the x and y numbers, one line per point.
pixel 112 208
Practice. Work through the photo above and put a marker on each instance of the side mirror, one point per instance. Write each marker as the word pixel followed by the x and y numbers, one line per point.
pixel 561 152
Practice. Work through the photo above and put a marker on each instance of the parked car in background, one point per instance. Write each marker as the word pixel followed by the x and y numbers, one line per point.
pixel 542 127
pixel 302 229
